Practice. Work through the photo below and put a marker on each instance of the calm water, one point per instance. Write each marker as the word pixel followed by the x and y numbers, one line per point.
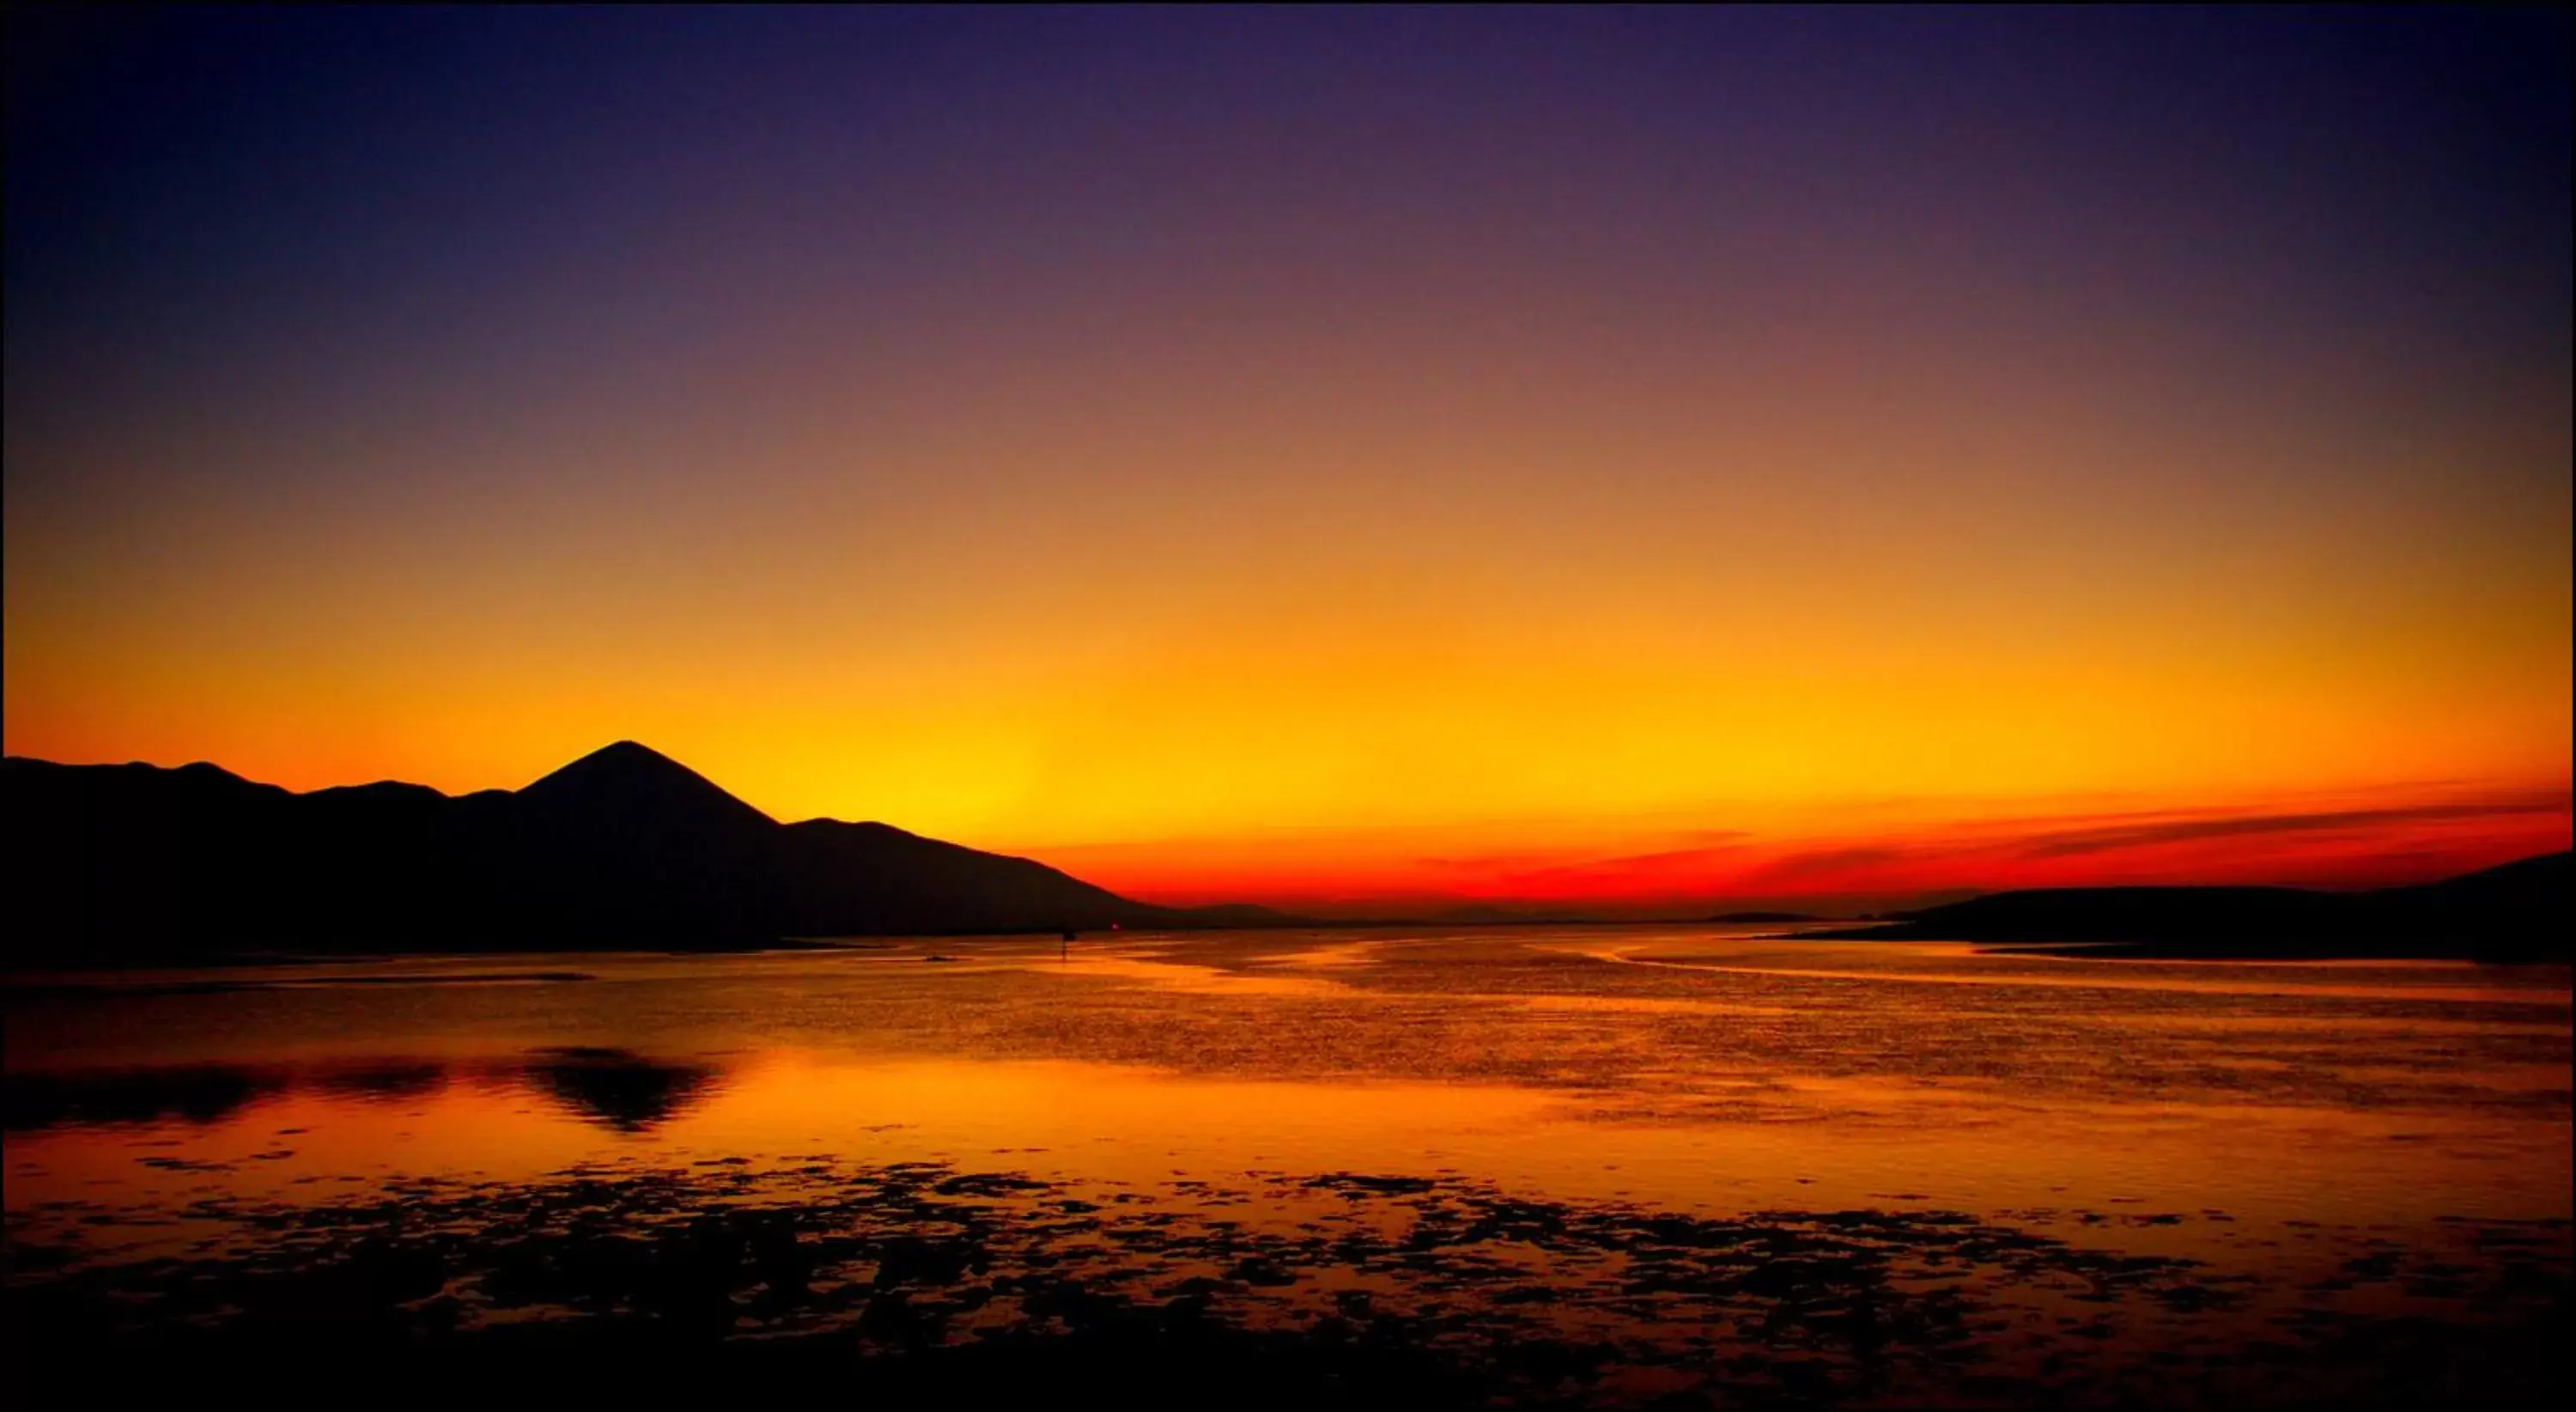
pixel 1602 1165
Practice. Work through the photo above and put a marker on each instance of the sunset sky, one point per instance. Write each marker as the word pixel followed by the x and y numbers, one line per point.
pixel 1348 459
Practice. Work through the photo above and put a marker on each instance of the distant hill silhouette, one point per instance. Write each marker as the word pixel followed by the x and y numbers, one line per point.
pixel 118 864
pixel 2520 911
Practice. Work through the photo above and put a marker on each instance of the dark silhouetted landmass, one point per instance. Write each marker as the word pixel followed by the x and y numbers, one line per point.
pixel 1480 914
pixel 618 1090
pixel 2517 912
pixel 126 864
pixel 207 1093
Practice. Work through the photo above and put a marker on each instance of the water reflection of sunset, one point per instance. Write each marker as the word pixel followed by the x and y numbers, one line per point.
pixel 1613 1082
pixel 1309 1127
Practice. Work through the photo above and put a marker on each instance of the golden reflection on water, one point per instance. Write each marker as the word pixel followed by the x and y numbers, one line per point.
pixel 1543 1061
pixel 1835 1143
pixel 2267 1122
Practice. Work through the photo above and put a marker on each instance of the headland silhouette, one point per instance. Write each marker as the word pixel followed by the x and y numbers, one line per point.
pixel 625 847
pixel 112 865
pixel 2516 912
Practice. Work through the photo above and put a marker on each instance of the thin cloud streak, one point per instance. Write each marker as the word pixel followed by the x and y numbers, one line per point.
pixel 2104 840
pixel 2359 844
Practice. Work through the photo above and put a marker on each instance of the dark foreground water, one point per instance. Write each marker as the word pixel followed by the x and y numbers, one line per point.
pixel 1594 1167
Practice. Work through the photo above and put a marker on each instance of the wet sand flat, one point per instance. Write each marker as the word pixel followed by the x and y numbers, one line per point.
pixel 1602 1167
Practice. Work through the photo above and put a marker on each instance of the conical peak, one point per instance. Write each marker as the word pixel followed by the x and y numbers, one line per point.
pixel 627 754
pixel 627 775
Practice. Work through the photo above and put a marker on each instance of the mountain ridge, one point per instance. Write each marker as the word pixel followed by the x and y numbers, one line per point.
pixel 2516 911
pixel 624 847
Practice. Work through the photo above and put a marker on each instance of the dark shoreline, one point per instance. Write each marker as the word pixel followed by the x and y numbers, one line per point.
pixel 922 1283
pixel 2520 912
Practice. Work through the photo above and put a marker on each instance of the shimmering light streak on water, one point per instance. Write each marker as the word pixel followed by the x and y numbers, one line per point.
pixel 2067 1168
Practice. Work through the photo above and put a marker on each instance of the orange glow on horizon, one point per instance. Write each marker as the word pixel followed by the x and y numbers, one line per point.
pixel 1881 857
pixel 1528 496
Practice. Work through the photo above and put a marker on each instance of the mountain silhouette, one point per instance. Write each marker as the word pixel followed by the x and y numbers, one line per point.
pixel 120 864
pixel 627 779
pixel 2519 911
pixel 621 1091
